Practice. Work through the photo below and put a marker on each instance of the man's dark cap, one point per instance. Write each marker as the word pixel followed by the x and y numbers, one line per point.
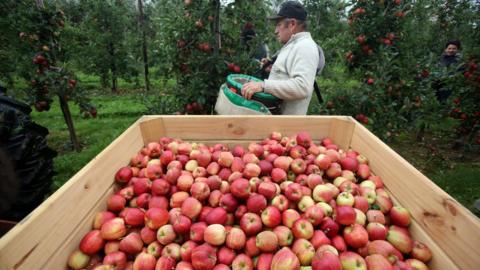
pixel 290 10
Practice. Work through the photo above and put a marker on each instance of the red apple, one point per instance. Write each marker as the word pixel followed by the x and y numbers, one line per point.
pixel 92 242
pixel 378 262
pixel 251 224
pixel 165 262
pixel 352 261
pixel 285 259
pixel 304 251
pixel 326 260
pixel 116 203
pixel 302 228
pixel 399 216
pixel 166 234
pixel 267 241
pixel 118 260
pixel 78 260
pixel 264 261
pixel 236 239
pixel 215 234
pixel 284 235
pixel 345 215
pixel 203 257
pixel 400 238
pixel 319 238
pixel 355 236
pixel 225 255
pixel 113 229
pixel 421 252
pixel 271 217
pixel 197 230
pixel 144 261
pixel 242 262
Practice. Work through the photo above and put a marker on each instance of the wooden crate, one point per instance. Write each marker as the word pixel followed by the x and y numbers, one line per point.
pixel 45 238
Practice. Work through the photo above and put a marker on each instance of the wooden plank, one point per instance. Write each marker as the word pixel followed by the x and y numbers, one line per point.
pixel 58 260
pixel 200 127
pixel 440 259
pixel 341 131
pixel 29 244
pixel 450 225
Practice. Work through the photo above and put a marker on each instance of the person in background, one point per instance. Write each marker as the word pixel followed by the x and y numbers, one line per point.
pixel 449 60
pixel 292 75
pixel 247 35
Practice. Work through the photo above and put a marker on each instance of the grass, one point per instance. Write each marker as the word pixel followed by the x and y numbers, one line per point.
pixel 116 113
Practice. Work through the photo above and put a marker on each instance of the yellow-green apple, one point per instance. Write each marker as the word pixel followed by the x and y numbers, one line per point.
pixel 360 217
pixel 264 261
pixel 399 216
pixel 281 202
pixel 338 181
pixel 377 180
pixel 416 264
pixel 349 186
pixel 256 203
pixel 421 252
pixel 355 236
pixel 271 217
pixel 267 241
pixel 325 260
pixel 284 235
pixel 144 261
pixel 327 208
pixel 376 231
pixel 166 234
pixel 304 251
pixel 118 260
pixel 345 198
pixel 197 230
pixel 305 202
pixel 131 244
pixel 172 250
pixel 285 259
pixel 369 194
pixel 215 234
pixel 349 175
pixel 378 262
pixel 302 228
pixel 289 216
pixel 352 261
pixel 78 260
pixel 155 249
pixel 242 262
pixel 113 229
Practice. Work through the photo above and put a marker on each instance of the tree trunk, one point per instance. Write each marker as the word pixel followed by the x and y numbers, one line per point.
pixel 68 119
pixel 113 66
pixel 216 29
pixel 144 44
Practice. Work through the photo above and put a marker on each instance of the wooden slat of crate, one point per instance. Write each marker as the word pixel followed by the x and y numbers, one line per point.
pixel 37 238
pixel 454 229
pixel 241 128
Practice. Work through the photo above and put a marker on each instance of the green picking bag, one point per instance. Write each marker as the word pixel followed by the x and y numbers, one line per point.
pixel 229 103
pixel 270 101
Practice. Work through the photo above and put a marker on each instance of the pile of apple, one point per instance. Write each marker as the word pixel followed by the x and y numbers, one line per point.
pixel 285 203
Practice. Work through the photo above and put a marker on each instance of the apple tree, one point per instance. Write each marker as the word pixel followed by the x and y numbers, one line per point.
pixel 39 29
pixel 200 44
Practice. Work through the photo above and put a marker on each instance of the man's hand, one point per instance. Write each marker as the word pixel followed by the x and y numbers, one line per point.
pixel 251 88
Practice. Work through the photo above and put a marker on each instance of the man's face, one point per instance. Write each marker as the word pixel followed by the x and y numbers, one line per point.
pixel 283 30
pixel 451 50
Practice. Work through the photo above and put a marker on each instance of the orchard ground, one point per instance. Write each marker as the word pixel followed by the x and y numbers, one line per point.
pixel 455 170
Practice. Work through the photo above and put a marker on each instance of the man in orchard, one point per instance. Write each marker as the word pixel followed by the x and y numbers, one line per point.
pixel 299 60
